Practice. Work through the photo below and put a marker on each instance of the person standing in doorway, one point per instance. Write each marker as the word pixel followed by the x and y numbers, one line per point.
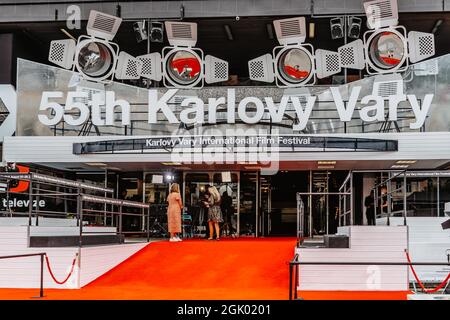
pixel 370 210
pixel 214 212
pixel 174 212
pixel 226 205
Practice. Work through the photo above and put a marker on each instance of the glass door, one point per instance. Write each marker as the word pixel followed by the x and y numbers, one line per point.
pixel 194 191
pixel 228 185
pixel 155 192
pixel 248 203
pixel 266 206
pixel 282 218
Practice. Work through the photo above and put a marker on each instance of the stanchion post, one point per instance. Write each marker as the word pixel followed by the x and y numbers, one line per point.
pixel 80 212
pixel 41 290
pixel 290 281
pixel 296 281
pixel 148 224
pixel 340 210
pixel 405 208
pixel 30 203
pixel 78 207
pixel 120 222
pixel 351 198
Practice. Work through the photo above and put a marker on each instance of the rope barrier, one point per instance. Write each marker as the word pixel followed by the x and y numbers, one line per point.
pixel 440 286
pixel 68 276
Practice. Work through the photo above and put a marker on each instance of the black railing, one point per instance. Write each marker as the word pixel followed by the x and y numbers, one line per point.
pixel 41 280
pixel 295 263
pixel 87 204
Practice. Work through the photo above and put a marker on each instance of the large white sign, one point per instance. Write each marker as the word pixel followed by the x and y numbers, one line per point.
pixel 194 109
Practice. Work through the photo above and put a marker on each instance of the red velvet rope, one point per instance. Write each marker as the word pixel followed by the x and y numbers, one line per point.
pixel 420 282
pixel 68 276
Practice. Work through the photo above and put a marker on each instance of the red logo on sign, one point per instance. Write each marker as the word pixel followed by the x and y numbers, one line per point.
pixel 23 185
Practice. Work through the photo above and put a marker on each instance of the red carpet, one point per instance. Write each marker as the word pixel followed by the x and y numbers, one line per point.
pixel 198 269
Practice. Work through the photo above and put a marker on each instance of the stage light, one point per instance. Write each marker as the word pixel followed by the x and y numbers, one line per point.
pixel 181 65
pixel 157 32
pixel 94 56
pixel 386 48
pixel 140 30
pixel 293 63
pixel 95 59
pixel 337 28
pixel 354 27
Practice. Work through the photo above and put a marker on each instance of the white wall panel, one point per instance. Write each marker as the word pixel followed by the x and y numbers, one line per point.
pixel 98 260
pixel 366 245
pixel 428 242
pixel 42 149
pixel 25 272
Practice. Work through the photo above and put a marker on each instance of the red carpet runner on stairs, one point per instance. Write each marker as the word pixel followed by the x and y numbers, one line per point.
pixel 196 269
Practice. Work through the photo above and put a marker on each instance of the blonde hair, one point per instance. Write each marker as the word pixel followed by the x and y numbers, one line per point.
pixel 175 187
pixel 215 194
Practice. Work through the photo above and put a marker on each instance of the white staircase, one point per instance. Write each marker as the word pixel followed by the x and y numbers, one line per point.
pixel 427 241
pixel 367 244
pixel 25 272
pixel 45 222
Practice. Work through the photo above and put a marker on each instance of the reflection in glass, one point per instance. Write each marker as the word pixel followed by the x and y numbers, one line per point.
pixel 386 50
pixel 294 65
pixel 183 67
pixel 229 202
pixel 247 210
pixel 444 194
pixel 194 196
pixel 421 197
pixel 95 59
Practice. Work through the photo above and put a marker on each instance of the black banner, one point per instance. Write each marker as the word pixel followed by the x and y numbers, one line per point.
pixel 235 144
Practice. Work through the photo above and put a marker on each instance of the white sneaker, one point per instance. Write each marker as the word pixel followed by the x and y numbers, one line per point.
pixel 173 240
pixel 178 239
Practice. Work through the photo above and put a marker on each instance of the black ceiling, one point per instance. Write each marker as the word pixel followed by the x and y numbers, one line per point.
pixel 250 36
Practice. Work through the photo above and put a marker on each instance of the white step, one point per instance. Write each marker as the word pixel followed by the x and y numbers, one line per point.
pixel 23 221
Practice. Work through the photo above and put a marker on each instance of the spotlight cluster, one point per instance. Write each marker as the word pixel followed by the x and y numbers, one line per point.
pixel 97 59
pixel 386 49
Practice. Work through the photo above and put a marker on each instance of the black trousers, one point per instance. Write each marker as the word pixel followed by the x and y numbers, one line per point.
pixel 370 215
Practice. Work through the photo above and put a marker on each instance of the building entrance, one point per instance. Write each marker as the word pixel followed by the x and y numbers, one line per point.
pixel 194 192
pixel 319 191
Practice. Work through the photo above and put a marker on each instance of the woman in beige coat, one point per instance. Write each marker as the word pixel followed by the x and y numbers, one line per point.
pixel 174 212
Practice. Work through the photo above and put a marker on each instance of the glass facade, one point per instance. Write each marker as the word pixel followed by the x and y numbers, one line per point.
pixel 430 77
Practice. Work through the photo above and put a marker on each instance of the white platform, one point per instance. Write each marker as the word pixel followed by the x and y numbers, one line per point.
pixel 24 272
pixel 53 226
pixel 427 242
pixel 45 222
pixel 367 244
pixel 423 296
